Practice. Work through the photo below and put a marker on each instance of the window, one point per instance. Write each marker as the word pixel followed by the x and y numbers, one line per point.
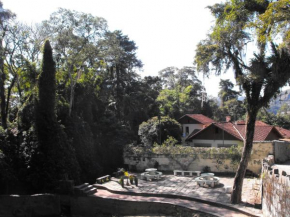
pixel 202 145
pixel 187 130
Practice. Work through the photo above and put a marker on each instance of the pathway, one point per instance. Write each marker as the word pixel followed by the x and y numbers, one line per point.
pixel 196 206
pixel 185 186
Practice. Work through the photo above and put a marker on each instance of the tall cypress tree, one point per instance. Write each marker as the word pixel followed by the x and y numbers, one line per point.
pixel 47 87
pixel 55 156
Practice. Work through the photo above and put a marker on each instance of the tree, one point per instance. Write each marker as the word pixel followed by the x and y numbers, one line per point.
pixel 47 86
pixel 119 54
pixel 150 130
pixel 139 101
pixel 226 91
pixel 5 17
pixel 181 93
pixel 237 24
pixel 54 157
pixel 75 36
pixel 172 77
pixel 275 120
pixel 23 48
pixel 284 109
pixel 235 108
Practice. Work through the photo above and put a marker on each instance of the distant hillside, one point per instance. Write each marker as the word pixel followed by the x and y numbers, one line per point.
pixel 282 98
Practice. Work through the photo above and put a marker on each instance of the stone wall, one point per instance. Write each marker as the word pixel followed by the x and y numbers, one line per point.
pixel 91 206
pixel 179 162
pixel 276 189
pixel 259 152
pixel 282 151
pixel 215 143
pixel 216 163
pixel 81 206
pixel 42 205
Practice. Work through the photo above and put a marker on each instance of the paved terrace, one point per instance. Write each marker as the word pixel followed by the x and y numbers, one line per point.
pixel 187 187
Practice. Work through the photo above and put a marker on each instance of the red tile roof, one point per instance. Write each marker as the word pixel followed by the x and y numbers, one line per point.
pixel 262 130
pixel 226 126
pixel 285 133
pixel 258 123
pixel 230 128
pixel 200 118
pixel 261 123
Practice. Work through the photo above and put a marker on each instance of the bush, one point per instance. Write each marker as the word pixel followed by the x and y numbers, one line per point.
pixel 149 131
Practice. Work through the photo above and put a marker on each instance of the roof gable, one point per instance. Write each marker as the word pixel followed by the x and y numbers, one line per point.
pixel 210 132
pixel 284 132
pixel 262 132
pixel 198 118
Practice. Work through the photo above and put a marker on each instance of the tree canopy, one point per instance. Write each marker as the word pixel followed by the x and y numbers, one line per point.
pixel 67 111
pixel 240 24
pixel 157 130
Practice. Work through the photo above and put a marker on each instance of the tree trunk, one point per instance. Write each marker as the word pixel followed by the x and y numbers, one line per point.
pixel 2 89
pixel 118 93
pixel 9 94
pixel 72 85
pixel 236 196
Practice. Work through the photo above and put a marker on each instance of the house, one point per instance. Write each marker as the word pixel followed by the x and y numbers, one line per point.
pixel 193 122
pixel 201 131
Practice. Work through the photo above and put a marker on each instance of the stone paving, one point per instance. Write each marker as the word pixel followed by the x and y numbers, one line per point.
pixel 186 186
pixel 196 209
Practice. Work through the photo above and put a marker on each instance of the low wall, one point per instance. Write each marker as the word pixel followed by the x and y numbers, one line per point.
pixel 42 205
pixel 282 151
pixel 179 162
pixel 276 190
pixel 259 152
pixel 82 206
pixel 216 163
pixel 91 206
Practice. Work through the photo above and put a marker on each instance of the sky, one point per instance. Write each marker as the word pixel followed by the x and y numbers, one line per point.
pixel 165 31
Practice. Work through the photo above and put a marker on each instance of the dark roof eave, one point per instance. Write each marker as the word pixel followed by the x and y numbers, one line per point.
pixel 189 138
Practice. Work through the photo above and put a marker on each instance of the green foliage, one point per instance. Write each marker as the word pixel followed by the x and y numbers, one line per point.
pixel 275 120
pixel 226 92
pixel 274 22
pixel 182 93
pixel 134 150
pixel 70 116
pixel 149 131
pixel 235 108
pixel 170 149
pixel 170 141
pixel 54 156
pixel 46 85
pixel 260 76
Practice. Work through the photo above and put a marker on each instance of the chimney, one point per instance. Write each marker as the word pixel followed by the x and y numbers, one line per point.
pixel 228 118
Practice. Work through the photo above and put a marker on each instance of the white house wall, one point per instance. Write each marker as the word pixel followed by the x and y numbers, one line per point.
pixel 215 143
pixel 191 127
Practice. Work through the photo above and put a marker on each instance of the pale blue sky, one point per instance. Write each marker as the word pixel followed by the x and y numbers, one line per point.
pixel 165 31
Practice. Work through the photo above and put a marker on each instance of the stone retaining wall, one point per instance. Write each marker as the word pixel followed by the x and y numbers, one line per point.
pixel 215 163
pixel 276 189
pixel 282 151
pixel 47 205
pixel 91 206
pixel 42 205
